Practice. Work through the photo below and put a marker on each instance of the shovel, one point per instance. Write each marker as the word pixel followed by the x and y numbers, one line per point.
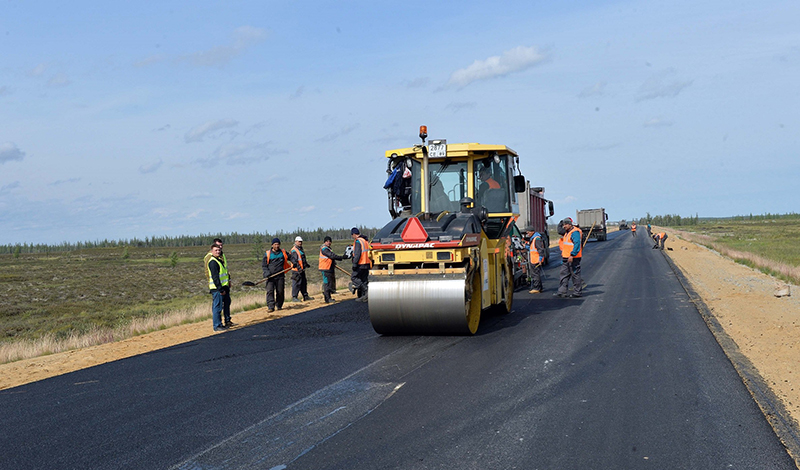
pixel 252 284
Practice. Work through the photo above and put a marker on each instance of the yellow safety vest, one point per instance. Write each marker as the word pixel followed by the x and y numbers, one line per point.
pixel 223 274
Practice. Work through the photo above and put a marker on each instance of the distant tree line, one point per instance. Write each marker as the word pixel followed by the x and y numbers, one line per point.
pixel 255 238
pixel 674 220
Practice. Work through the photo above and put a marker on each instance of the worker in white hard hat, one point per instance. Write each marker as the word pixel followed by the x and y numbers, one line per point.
pixel 299 283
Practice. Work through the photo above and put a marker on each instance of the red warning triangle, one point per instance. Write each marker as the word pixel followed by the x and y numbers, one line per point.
pixel 414 232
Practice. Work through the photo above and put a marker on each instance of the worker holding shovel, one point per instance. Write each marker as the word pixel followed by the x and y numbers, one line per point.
pixel 274 266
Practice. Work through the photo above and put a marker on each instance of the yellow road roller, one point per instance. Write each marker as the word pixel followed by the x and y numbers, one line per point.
pixel 446 255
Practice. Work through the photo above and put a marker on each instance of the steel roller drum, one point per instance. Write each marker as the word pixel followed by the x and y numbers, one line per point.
pixel 418 304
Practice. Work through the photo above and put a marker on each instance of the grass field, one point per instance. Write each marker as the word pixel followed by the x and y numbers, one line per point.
pixel 64 294
pixel 772 245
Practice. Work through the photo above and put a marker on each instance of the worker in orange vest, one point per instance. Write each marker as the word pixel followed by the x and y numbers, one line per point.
pixel 633 228
pixel 274 264
pixel 571 254
pixel 327 266
pixel 660 238
pixel 535 259
pixel 361 265
pixel 299 281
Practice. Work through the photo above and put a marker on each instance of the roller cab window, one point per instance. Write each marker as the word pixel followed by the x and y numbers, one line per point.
pixel 491 184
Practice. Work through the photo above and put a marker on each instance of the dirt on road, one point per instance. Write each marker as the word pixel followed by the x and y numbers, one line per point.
pixel 765 328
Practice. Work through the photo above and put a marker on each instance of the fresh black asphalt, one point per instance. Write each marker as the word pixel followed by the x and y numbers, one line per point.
pixel 628 376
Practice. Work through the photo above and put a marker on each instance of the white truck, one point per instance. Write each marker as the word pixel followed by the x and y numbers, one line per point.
pixel 592 223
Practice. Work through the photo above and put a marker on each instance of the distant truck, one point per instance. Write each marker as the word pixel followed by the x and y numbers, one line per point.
pixel 593 220
pixel 623 225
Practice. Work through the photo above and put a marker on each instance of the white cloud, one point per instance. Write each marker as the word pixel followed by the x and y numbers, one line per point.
pixel 456 107
pixel 38 71
pixel 513 60
pixel 240 153
pixel 153 59
pixel 335 135
pixel 306 209
pixel 598 89
pixel 9 187
pixel 419 82
pixel 662 85
pixel 60 182
pixel 144 169
pixel 657 122
pixel 197 134
pixel 357 208
pixel 58 80
pixel 9 151
pixel 243 38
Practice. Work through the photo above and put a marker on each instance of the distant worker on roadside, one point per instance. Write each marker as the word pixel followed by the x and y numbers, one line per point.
pixel 660 238
pixel 219 288
pixel 571 253
pixel 274 266
pixel 649 231
pixel 361 265
pixel 299 281
pixel 535 259
pixel 327 266
pixel 633 228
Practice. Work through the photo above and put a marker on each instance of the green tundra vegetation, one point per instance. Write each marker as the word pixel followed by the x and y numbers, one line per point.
pixel 62 293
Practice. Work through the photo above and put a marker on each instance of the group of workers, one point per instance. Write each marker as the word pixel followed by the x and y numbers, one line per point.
pixel 276 263
pixel 571 250
pixel 571 253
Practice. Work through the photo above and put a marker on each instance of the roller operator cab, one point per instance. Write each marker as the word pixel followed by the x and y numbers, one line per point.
pixel 446 255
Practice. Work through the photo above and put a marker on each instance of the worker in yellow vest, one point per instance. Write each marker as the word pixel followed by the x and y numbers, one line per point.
pixel 571 254
pixel 219 288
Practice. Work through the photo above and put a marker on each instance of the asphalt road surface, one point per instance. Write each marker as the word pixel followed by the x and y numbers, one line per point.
pixel 627 377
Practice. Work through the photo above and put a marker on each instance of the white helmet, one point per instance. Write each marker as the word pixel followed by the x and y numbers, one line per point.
pixel 298 239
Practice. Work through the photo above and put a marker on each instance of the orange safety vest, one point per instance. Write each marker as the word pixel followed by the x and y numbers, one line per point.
pixel 661 235
pixel 492 183
pixel 633 227
pixel 534 253
pixel 364 258
pixel 566 245
pixel 325 263
pixel 286 264
pixel 300 264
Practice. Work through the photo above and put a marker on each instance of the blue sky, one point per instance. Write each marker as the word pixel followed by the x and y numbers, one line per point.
pixel 122 120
